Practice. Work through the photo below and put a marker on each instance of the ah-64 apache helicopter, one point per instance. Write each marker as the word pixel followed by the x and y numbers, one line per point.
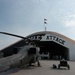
pixel 27 55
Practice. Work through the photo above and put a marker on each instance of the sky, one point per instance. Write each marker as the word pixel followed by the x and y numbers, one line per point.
pixel 24 17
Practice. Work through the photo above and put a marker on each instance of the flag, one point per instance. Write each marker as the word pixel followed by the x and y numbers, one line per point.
pixel 45 21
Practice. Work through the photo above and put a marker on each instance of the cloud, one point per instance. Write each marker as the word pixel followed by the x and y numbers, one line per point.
pixel 70 33
pixel 70 23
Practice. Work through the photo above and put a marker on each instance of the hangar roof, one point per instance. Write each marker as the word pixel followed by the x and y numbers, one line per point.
pixel 55 33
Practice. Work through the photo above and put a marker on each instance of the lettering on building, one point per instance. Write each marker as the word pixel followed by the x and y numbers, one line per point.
pixel 48 38
pixel 55 38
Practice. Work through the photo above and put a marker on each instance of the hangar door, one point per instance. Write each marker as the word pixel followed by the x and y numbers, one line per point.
pixel 55 50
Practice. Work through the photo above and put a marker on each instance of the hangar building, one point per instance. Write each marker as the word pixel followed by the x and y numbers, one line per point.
pixel 57 46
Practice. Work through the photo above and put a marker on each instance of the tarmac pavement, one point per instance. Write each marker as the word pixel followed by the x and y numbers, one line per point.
pixel 45 69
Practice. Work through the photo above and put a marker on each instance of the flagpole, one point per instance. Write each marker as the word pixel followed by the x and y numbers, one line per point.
pixel 45 28
pixel 45 22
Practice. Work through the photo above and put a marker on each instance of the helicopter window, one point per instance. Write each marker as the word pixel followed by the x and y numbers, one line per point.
pixel 32 51
pixel 1 54
pixel 15 50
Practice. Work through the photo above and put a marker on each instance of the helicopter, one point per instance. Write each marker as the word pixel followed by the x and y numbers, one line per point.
pixel 25 56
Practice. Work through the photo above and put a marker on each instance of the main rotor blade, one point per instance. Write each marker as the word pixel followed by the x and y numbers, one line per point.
pixel 13 35
pixel 26 39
